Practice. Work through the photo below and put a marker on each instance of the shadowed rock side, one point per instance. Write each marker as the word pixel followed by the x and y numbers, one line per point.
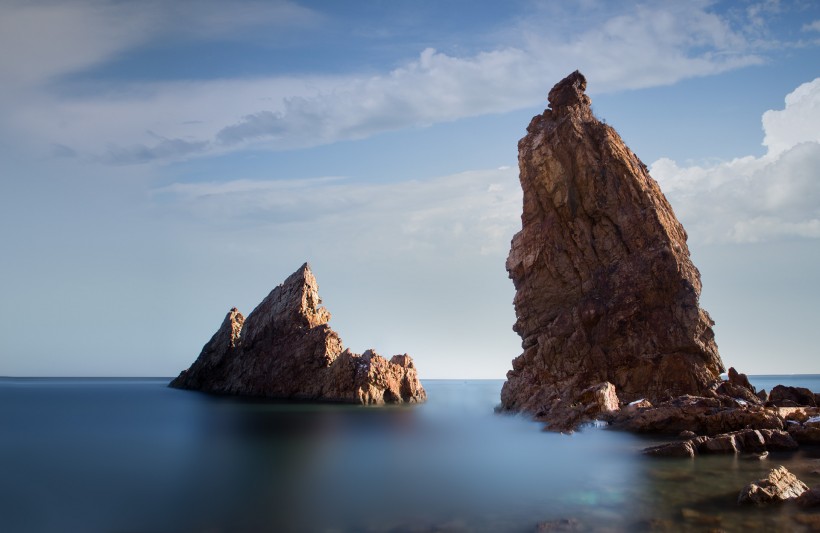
pixel 285 349
pixel 605 288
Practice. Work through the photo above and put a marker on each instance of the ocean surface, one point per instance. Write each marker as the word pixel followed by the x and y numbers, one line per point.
pixel 132 455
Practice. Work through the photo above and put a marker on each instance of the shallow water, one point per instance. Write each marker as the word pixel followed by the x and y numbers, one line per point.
pixel 133 455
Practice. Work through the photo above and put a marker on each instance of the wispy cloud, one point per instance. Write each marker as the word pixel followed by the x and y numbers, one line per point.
pixel 812 26
pixel 754 199
pixel 473 212
pixel 648 45
pixel 44 40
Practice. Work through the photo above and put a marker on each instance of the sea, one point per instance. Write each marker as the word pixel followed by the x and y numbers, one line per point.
pixel 132 455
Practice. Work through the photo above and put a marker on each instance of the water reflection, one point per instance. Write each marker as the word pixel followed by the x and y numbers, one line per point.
pixel 137 456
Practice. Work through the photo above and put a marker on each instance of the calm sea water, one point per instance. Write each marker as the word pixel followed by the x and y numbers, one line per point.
pixel 131 455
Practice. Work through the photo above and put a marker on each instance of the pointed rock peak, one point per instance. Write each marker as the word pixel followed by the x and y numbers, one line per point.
pixel 285 349
pixel 302 276
pixel 569 93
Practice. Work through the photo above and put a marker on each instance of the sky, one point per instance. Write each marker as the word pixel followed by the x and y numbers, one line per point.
pixel 162 162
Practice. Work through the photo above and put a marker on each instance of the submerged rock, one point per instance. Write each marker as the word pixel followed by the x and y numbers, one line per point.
pixel 779 486
pixel 285 349
pixel 810 498
pixel 605 289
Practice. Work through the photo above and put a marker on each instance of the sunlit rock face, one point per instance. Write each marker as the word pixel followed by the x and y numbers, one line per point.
pixel 605 288
pixel 285 349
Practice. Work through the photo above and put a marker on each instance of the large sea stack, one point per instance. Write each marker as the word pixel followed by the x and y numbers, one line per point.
pixel 606 293
pixel 285 349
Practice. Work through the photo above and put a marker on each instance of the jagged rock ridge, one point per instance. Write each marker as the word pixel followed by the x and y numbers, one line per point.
pixel 605 288
pixel 285 349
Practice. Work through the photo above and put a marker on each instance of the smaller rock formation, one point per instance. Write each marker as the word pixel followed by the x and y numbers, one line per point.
pixel 779 486
pixel 285 349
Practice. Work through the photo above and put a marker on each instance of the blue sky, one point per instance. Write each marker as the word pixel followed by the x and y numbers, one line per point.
pixel 162 162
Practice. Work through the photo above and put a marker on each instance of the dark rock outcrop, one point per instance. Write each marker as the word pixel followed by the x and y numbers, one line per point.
pixel 285 349
pixel 752 441
pixel 702 415
pixel 738 387
pixel 605 289
pixel 784 396
pixel 810 498
pixel 779 486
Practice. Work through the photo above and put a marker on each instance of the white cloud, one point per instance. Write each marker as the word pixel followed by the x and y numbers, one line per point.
pixel 798 122
pixel 812 26
pixel 42 40
pixel 753 199
pixel 646 46
pixel 471 213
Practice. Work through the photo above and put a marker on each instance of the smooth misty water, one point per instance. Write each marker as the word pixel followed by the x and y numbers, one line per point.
pixel 132 455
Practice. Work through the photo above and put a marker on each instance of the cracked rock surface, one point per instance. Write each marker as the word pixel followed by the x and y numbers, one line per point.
pixel 605 289
pixel 285 349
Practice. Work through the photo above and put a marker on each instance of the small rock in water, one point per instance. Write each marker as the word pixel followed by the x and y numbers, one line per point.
pixel 779 486
pixel 755 456
pixel 697 517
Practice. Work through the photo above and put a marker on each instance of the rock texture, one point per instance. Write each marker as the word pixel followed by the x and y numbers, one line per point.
pixel 779 486
pixel 605 288
pixel 703 415
pixel 751 441
pixel 285 349
pixel 784 396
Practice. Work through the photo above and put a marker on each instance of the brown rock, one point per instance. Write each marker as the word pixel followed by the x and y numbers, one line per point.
pixel 778 440
pixel 804 434
pixel 749 441
pixel 285 349
pixel 672 449
pixel 605 288
pixel 740 380
pixel 738 387
pixel 704 416
pixel 779 486
pixel 784 396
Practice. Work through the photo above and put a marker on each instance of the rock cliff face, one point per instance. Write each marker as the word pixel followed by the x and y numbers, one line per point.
pixel 285 349
pixel 605 288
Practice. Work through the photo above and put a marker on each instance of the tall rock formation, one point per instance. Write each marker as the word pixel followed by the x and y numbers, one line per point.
pixel 605 288
pixel 285 349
